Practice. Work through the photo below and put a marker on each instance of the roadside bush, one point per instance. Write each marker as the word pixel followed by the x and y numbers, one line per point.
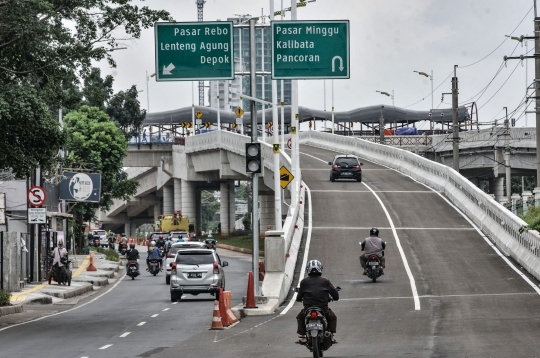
pixel 110 254
pixel 5 297
pixel 241 233
pixel 532 219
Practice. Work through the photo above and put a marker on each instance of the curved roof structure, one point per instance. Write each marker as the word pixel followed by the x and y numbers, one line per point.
pixel 369 114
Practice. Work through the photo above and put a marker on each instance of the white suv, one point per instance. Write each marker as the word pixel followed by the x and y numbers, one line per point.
pixel 197 271
pixel 169 259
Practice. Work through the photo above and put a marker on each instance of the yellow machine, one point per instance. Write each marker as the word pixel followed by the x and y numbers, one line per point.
pixel 173 222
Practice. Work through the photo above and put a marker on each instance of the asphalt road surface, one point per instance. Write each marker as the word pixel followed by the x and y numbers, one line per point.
pixel 134 319
pixel 446 292
pixel 466 300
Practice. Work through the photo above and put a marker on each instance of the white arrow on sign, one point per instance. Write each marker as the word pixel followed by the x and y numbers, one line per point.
pixel 167 70
pixel 341 68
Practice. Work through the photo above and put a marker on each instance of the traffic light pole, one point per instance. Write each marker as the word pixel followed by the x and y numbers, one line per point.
pixel 254 139
pixel 455 125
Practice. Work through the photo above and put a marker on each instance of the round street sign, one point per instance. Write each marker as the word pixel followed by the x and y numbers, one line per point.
pixel 36 196
pixel 289 143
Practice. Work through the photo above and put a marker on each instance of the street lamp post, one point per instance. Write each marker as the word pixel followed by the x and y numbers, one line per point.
pixel 431 79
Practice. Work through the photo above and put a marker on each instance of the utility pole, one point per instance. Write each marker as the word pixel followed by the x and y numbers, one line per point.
pixel 506 157
pixel 455 124
pixel 381 126
pixel 200 8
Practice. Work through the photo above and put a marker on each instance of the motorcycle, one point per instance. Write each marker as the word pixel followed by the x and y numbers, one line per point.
pixel 111 242
pixel 318 338
pixel 161 251
pixel 154 266
pixel 210 244
pixel 122 249
pixel 96 242
pixel 56 274
pixel 374 268
pixel 132 270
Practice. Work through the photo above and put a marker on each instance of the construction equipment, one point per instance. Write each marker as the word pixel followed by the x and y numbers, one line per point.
pixel 174 222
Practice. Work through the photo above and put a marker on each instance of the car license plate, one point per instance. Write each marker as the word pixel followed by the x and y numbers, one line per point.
pixel 346 173
pixel 194 275
pixel 317 326
pixel 374 263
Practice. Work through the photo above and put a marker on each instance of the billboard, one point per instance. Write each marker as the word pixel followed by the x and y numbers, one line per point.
pixel 80 187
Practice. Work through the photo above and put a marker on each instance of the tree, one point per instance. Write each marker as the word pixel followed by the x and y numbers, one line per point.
pixel 124 108
pixel 97 91
pixel 31 136
pixel 209 208
pixel 44 46
pixel 94 140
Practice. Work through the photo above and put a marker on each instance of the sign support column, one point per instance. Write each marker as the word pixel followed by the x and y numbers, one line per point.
pixel 254 139
pixel 275 126
pixel 294 124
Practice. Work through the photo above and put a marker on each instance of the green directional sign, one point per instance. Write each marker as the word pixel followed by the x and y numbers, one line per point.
pixel 310 49
pixel 190 51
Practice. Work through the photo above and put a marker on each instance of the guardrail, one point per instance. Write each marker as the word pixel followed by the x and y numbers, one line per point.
pixel 500 225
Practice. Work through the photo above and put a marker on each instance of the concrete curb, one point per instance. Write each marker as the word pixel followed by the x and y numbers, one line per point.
pixel 4 311
pixel 86 287
pixel 94 280
pixel 238 249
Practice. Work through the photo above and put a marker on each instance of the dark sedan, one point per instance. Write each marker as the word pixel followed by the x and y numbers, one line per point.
pixel 346 167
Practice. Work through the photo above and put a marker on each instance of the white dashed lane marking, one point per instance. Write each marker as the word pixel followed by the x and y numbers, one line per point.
pixel 155 315
pixel 125 334
pixel 141 324
pixel 107 346
pixel 166 309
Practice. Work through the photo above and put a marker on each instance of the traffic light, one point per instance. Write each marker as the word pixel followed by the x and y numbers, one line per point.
pixel 253 158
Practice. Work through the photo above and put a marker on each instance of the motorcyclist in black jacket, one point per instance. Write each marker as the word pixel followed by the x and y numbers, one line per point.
pixel 315 291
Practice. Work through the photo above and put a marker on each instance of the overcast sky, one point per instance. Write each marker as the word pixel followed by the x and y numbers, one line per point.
pixel 389 39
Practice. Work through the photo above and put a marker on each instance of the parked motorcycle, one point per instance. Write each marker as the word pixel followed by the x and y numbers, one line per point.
pixel 154 266
pixel 132 270
pixel 318 338
pixel 55 273
pixel 374 268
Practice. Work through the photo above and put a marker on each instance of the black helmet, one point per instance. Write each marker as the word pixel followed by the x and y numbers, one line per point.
pixel 374 231
pixel 132 246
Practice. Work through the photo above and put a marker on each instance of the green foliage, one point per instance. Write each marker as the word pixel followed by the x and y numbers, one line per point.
pixel 247 221
pixel 5 297
pixel 124 108
pixel 209 207
pixel 94 139
pixel 110 254
pixel 31 136
pixel 243 192
pixel 532 218
pixel 44 46
pixel 97 91
pixel 530 184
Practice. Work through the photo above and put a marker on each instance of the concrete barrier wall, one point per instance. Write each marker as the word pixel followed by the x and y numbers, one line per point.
pixel 498 223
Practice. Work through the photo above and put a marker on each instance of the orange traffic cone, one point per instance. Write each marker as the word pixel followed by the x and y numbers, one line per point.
pixel 91 266
pixel 230 315
pixel 216 319
pixel 222 309
pixel 250 299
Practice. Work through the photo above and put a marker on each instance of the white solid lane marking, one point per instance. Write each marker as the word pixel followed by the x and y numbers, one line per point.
pixel 141 324
pixel 376 191
pixel 154 315
pixel 125 334
pixel 401 252
pixel 440 296
pixel 107 346
pixel 388 228
pixel 306 250
pixel 166 309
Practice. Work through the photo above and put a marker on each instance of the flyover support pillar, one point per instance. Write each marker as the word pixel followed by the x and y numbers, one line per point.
pixel 267 213
pixel 168 198
pixel 177 194
pixel 127 229
pixel 227 207
pixel 498 189
pixel 188 201
pixel 157 212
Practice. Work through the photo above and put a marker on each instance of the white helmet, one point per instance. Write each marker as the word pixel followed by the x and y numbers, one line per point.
pixel 152 243
pixel 314 267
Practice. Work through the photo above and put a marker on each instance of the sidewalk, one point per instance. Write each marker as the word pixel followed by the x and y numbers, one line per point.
pixel 82 282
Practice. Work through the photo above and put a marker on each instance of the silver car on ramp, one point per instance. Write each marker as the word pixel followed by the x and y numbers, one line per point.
pixel 197 271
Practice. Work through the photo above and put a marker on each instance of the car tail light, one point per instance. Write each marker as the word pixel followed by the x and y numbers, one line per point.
pixel 216 267
pixel 173 268
pixel 335 166
pixel 357 167
pixel 313 314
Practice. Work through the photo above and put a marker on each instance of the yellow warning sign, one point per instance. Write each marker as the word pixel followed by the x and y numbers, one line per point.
pixel 239 112
pixel 285 177
pixel 293 130
pixel 276 148
pixel 198 114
